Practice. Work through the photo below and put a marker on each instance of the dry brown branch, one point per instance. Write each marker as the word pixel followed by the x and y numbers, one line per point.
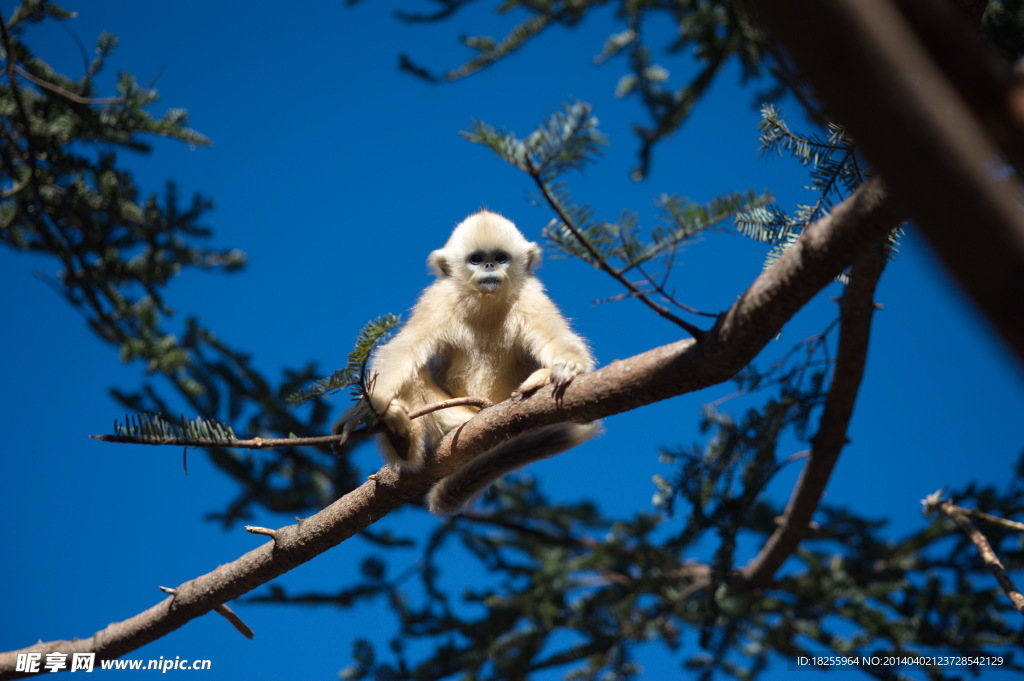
pixel 856 310
pixel 265 531
pixel 58 90
pixel 873 73
pixel 825 249
pixel 1012 525
pixel 236 621
pixel 479 402
pixel 959 515
pixel 225 612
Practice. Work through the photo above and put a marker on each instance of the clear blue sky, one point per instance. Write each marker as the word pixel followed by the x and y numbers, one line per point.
pixel 326 159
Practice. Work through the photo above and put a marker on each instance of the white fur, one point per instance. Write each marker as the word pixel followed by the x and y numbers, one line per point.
pixel 465 339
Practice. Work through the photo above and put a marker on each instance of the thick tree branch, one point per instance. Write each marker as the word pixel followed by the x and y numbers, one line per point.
pixel 856 310
pixel 825 249
pixel 872 71
pixel 981 77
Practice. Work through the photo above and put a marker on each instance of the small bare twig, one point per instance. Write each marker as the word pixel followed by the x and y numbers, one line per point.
pixel 994 520
pixel 225 612
pixel 481 402
pixel 934 502
pixel 660 288
pixel 66 94
pixel 266 531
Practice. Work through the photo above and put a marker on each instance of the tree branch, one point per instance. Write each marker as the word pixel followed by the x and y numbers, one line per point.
pixel 225 612
pixel 56 89
pixel 1004 523
pixel 824 250
pixel 932 149
pixel 856 310
pixel 272 443
pixel 959 515
pixel 599 260
pixel 981 77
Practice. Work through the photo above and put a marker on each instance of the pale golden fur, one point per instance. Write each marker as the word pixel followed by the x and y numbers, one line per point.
pixel 482 329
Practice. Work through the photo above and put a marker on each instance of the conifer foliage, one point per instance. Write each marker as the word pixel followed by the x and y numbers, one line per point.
pixel 67 195
pixel 569 586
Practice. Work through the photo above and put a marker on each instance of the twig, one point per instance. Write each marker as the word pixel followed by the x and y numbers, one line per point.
pixel 78 99
pixel 481 402
pixel 252 443
pixel 660 288
pixel 225 612
pixel 859 223
pixel 1001 522
pixel 271 443
pixel 602 264
pixel 266 531
pixel 935 502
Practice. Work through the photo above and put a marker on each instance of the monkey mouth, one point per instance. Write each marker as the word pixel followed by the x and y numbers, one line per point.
pixel 489 282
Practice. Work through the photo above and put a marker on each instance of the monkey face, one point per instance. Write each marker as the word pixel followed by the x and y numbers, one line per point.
pixel 488 268
pixel 486 254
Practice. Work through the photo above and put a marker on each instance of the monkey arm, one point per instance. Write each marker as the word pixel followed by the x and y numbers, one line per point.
pixel 400 380
pixel 403 361
pixel 560 352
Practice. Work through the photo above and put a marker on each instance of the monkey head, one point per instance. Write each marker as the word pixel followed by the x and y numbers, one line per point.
pixel 486 254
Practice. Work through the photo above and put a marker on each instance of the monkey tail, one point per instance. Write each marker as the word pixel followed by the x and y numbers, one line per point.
pixel 459 490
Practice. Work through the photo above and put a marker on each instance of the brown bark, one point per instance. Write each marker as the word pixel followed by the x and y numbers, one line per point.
pixel 856 310
pixel 873 73
pixel 825 249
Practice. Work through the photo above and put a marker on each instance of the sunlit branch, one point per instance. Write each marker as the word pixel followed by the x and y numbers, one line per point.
pixel 959 515
pixel 823 250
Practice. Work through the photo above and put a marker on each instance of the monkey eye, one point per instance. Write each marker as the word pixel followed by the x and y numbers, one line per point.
pixel 500 257
pixel 475 258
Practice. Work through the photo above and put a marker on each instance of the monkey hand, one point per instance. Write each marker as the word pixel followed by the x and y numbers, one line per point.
pixel 403 442
pixel 563 371
pixel 395 416
pixel 359 413
pixel 560 374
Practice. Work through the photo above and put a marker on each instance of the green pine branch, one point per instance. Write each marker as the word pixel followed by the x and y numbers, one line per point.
pixel 155 429
pixel 568 140
pixel 834 172
pixel 68 197
pixel 353 374
pixel 715 34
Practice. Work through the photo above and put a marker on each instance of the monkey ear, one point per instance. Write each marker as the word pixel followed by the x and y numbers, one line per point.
pixel 438 263
pixel 532 256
